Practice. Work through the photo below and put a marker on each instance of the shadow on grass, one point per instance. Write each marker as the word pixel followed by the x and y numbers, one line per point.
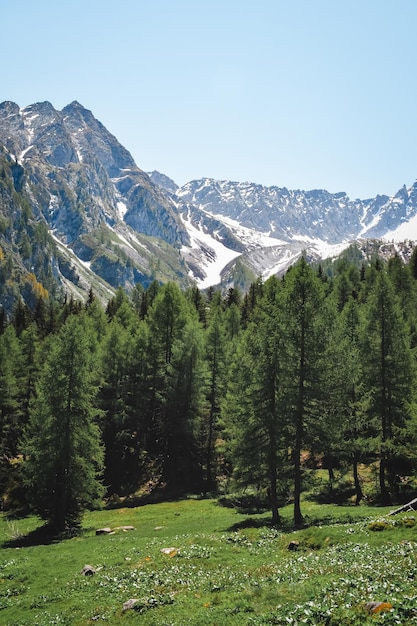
pixel 161 493
pixel 41 536
pixel 285 525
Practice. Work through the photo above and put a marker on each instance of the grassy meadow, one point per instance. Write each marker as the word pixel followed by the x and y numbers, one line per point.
pixel 225 567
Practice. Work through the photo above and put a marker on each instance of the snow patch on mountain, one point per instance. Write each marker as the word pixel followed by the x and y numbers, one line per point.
pixel 407 230
pixel 249 236
pixel 288 258
pixel 212 256
pixel 122 208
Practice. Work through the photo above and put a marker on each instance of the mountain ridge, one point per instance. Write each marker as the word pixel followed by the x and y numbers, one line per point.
pixel 112 224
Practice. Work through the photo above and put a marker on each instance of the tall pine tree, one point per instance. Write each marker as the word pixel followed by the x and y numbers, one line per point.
pixel 305 324
pixel 63 452
pixel 389 372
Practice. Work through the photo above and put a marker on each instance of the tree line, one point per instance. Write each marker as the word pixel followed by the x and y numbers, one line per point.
pixel 186 389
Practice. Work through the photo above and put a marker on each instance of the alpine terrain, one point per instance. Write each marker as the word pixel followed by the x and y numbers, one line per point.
pixel 76 212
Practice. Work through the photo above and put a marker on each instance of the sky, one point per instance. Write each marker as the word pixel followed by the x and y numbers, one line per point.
pixel 303 94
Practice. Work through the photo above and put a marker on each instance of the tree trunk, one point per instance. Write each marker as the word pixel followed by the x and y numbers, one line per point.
pixel 209 451
pixel 298 518
pixel 382 485
pixel 276 519
pixel 273 469
pixel 358 488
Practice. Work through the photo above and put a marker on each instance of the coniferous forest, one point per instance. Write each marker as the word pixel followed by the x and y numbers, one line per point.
pixel 173 392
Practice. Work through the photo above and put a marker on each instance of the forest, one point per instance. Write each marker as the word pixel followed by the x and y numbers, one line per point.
pixel 176 392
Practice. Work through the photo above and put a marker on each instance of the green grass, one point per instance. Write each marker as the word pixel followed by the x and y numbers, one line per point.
pixel 228 568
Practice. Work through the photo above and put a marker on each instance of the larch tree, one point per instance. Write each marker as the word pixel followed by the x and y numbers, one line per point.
pixel 305 323
pixel 186 381
pixel 10 423
pixel 62 445
pixel 349 440
pixel 215 354
pixel 167 319
pixel 112 395
pixel 253 409
pixel 10 415
pixel 389 372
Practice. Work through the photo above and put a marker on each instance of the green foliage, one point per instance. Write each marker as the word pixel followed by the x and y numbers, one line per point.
pixel 196 391
pixel 63 455
pixel 389 372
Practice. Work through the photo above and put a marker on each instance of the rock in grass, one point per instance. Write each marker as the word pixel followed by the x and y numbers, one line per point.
pixel 88 570
pixel 170 551
pixel 112 531
pixel 293 545
pixel 130 604
pixel 103 531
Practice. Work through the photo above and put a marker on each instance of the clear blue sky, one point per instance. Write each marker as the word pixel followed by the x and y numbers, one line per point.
pixel 298 93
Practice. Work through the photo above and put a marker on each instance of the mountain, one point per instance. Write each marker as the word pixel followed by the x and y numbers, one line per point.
pixel 77 212
pixel 107 223
pixel 269 228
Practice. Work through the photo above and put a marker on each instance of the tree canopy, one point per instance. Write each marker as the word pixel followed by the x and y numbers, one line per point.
pixel 192 392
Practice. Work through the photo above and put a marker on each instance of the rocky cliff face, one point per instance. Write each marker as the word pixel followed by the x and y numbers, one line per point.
pixel 289 215
pixel 99 207
pixel 67 182
pixel 276 225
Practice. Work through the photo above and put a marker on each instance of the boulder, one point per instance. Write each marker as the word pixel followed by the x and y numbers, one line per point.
pixel 170 551
pixel 130 604
pixel 88 570
pixel 103 531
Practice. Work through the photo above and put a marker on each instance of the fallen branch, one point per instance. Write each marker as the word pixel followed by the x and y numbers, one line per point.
pixel 410 506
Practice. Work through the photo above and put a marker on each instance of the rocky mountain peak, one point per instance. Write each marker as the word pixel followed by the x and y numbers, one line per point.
pixel 101 208
pixel 163 181
pixel 108 218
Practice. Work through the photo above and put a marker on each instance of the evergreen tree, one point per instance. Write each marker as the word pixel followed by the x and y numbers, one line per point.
pixel 114 357
pixel 10 418
pixel 28 372
pixel 305 322
pixel 390 378
pixel 167 319
pixel 138 408
pixel 348 439
pixel 199 301
pixel 215 350
pixel 253 409
pixel 10 422
pixel 21 316
pixel 63 453
pixel 405 287
pixel 186 377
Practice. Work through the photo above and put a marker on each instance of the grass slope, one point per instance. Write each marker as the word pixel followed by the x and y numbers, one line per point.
pixel 226 568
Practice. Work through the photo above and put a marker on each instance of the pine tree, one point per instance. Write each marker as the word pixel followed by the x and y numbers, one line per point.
pixel 28 371
pixel 112 398
pixel 390 378
pixel 348 440
pixel 63 453
pixel 138 409
pixel 186 380
pixel 10 418
pixel 167 319
pixel 253 409
pixel 215 350
pixel 305 322
pixel 10 422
